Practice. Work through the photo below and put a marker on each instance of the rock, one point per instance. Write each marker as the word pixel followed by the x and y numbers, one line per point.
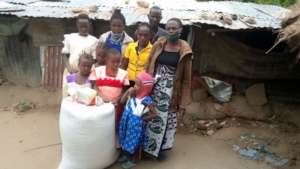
pixel 204 111
pixel 143 4
pixel 210 132
pixel 1 81
pixel 223 123
pixel 199 95
pixel 187 120
pixel 256 95
pixel 226 19
pixel 241 108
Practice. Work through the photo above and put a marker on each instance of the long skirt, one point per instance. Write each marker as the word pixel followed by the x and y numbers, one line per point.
pixel 160 131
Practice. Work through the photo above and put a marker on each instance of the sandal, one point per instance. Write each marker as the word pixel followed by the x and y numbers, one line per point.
pixel 128 164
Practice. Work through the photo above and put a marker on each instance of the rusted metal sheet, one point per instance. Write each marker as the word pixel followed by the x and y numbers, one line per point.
pixel 248 15
pixel 53 67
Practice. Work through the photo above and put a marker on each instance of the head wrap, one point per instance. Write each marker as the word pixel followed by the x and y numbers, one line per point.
pixel 147 84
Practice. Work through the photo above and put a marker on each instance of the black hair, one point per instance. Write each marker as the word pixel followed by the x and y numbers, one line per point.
pixel 102 46
pixel 176 20
pixel 118 15
pixel 145 24
pixel 155 8
pixel 87 56
pixel 112 51
pixel 83 16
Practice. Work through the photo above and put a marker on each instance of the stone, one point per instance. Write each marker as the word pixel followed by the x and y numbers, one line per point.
pixel 210 132
pixel 240 108
pixel 204 111
pixel 256 95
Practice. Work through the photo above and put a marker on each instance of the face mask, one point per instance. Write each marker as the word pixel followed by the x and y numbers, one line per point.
pixel 116 36
pixel 173 37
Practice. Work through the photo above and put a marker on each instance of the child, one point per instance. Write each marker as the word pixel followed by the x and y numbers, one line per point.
pixel 76 43
pixel 80 78
pixel 110 79
pixel 117 38
pixel 100 55
pixel 137 53
pixel 138 108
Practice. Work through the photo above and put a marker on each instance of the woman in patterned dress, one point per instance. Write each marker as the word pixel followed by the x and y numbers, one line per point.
pixel 170 62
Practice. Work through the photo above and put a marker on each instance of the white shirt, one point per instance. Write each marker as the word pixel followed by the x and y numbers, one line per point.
pixel 74 44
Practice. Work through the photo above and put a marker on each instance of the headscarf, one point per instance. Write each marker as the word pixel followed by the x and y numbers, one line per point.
pixel 147 84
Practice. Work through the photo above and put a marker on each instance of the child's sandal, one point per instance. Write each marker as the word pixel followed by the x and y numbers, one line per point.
pixel 122 158
pixel 128 164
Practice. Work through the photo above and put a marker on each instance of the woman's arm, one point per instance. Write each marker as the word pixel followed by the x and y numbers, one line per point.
pixel 186 97
pixel 67 64
pixel 150 59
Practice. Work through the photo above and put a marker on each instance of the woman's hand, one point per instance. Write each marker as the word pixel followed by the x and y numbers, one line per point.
pixel 131 92
pixel 151 114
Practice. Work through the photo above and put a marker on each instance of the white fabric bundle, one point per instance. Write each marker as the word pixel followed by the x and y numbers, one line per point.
pixel 87 134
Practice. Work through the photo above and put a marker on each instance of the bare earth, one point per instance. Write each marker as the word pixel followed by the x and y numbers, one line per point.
pixel 31 140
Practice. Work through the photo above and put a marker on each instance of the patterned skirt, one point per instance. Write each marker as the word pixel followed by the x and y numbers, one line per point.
pixel 160 131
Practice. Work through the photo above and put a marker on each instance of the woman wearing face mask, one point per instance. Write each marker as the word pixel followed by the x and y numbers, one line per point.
pixel 170 62
pixel 116 38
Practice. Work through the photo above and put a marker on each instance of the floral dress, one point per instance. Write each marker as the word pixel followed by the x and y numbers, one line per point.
pixel 162 128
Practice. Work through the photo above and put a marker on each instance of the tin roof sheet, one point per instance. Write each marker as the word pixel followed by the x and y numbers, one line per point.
pixel 189 11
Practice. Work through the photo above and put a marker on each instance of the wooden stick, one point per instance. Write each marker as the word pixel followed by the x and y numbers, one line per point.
pixel 42 147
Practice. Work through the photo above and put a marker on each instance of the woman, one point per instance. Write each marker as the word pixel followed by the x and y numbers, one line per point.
pixel 170 62
pixel 117 38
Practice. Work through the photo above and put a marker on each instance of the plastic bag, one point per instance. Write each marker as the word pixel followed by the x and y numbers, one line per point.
pixel 82 94
pixel 218 89
pixel 87 134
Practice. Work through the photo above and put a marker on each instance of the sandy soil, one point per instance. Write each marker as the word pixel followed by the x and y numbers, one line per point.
pixel 31 140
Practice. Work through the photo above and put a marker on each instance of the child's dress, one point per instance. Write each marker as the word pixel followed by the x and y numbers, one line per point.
pixel 109 88
pixel 132 129
pixel 72 78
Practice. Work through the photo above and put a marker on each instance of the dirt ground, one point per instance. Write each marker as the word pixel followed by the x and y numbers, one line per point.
pixel 31 140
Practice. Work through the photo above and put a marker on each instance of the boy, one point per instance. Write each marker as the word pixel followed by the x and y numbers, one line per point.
pixel 137 53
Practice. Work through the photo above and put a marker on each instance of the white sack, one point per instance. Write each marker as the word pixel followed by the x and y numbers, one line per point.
pixel 87 134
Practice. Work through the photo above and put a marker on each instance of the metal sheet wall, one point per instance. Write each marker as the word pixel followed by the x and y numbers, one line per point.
pixel 53 67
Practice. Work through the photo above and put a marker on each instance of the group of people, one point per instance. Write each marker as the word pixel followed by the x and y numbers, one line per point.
pixel 148 80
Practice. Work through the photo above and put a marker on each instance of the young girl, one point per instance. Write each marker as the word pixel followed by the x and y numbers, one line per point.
pixel 137 110
pixel 80 78
pixel 100 55
pixel 117 38
pixel 110 79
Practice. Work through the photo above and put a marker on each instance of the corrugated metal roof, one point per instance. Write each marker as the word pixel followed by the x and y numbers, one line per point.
pixel 249 15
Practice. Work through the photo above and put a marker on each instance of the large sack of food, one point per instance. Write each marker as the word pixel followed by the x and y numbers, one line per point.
pixel 87 134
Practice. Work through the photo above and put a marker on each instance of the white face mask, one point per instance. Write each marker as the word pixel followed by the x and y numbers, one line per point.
pixel 116 36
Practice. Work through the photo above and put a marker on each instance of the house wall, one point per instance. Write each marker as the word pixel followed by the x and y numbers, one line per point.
pixel 218 51
pixel 19 58
pixel 22 60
